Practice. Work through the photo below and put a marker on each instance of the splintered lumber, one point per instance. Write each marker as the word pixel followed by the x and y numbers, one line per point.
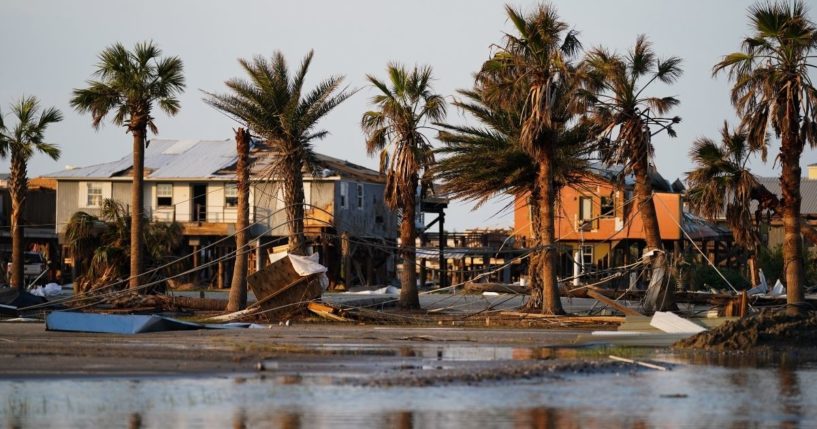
pixel 203 304
pixel 479 288
pixel 325 312
pixel 611 303
pixel 566 319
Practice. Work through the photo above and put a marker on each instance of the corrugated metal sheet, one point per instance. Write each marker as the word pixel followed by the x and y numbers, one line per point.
pixel 698 228
pixel 808 192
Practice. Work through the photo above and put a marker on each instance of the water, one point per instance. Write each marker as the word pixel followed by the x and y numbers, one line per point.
pixel 691 395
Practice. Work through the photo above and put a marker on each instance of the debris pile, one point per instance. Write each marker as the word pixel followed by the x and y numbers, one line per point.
pixel 767 329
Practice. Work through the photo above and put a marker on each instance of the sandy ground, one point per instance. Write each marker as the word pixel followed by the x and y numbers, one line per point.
pixel 343 350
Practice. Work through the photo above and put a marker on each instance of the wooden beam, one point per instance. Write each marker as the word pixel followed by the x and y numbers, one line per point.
pixel 612 303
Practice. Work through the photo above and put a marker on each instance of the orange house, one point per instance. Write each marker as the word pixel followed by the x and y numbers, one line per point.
pixel 598 225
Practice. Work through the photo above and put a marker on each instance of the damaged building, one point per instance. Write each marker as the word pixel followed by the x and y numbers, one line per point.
pixel 193 182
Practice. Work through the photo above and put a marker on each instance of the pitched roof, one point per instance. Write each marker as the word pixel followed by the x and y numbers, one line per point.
pixel 206 159
pixel 808 192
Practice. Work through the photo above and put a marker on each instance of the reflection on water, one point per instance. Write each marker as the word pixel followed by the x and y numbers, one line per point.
pixel 689 396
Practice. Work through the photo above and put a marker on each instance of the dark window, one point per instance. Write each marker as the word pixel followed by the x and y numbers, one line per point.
pixel 230 195
pixel 608 208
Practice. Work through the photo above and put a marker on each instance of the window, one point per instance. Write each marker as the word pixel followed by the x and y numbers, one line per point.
pixel 360 196
pixel 164 195
pixel 608 208
pixel 230 195
pixel 344 192
pixel 587 256
pixel 94 198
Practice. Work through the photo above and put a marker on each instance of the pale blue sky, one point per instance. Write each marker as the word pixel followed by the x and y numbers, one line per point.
pixel 50 47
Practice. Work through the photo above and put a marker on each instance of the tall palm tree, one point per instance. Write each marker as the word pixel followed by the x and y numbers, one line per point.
pixel 21 143
pixel 130 84
pixel 773 88
pixel 465 175
pixel 275 105
pixel 627 119
pixel 722 185
pixel 405 104
pixel 534 68
pixel 238 285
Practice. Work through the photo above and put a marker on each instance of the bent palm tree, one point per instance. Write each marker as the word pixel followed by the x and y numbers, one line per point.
pixel 129 84
pixel 465 174
pixel 627 120
pixel 773 88
pixel 21 143
pixel 405 104
pixel 276 106
pixel 534 69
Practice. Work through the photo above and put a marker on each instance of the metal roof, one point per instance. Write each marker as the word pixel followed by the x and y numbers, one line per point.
pixel 201 159
pixel 808 192
pixel 698 228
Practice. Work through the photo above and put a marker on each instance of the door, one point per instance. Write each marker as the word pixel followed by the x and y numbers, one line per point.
pixel 199 202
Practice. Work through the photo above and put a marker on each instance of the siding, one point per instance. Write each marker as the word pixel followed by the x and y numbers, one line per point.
pixel 373 219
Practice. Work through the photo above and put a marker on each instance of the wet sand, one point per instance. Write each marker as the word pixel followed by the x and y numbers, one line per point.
pixel 312 348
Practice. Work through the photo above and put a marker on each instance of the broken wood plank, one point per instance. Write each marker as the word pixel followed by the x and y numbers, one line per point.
pixel 568 319
pixel 612 303
pixel 638 362
pixel 326 312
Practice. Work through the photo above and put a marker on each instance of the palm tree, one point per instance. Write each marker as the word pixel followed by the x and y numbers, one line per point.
pixel 534 69
pixel 21 142
pixel 275 105
pixel 238 285
pixel 626 120
pixel 405 104
pixel 465 175
pixel 773 88
pixel 129 84
pixel 722 184
pixel 100 245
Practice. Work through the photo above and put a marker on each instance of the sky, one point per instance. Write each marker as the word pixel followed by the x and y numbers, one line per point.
pixel 51 48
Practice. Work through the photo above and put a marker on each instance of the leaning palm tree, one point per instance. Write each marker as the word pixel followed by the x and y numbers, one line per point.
pixel 130 84
pixel 21 143
pixel 405 104
pixel 773 87
pixel 535 69
pixel 466 176
pixel 275 105
pixel 626 120
pixel 722 184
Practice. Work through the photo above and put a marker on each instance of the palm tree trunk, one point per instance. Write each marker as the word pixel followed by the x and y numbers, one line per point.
pixel 17 192
pixel 790 152
pixel 535 259
pixel 551 302
pixel 294 199
pixel 238 286
pixel 409 299
pixel 660 296
pixel 137 205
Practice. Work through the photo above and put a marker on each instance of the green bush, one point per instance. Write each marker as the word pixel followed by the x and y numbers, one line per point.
pixel 703 277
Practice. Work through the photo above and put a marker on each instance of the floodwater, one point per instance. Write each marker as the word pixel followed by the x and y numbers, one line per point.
pixel 696 393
